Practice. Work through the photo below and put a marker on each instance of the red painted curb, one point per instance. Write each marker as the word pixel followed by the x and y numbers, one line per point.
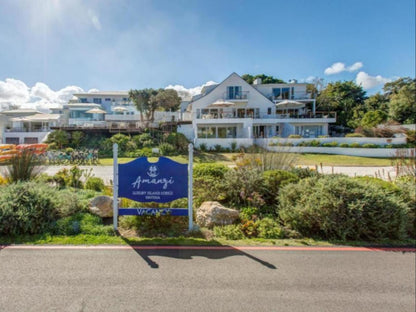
pixel 123 247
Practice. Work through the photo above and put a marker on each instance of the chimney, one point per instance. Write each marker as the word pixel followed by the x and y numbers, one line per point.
pixel 257 81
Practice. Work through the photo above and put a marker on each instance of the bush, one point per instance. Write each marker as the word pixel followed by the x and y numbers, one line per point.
pixel 26 208
pixel 231 232
pixel 143 140
pixel 203 147
pixel 249 213
pixel 274 180
pixel 330 144
pixel 355 145
pixel 233 146
pixel 179 141
pixel 269 228
pixel 23 167
pixel 82 223
pixel 344 145
pixel 157 225
pixel 212 170
pixel 369 145
pixel 95 184
pixel 167 149
pixel 354 135
pixel 303 173
pixel 295 136
pixel 338 207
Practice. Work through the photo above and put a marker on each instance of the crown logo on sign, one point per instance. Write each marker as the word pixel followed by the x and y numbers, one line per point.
pixel 153 172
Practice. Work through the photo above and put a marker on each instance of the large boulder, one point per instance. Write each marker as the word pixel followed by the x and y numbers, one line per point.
pixel 102 206
pixel 213 213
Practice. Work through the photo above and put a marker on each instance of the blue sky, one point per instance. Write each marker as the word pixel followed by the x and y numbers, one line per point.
pixel 118 45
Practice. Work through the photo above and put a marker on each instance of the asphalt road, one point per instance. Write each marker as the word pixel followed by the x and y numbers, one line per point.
pixel 206 280
pixel 106 172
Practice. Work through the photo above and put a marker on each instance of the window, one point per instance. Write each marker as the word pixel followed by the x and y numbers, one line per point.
pixel 97 100
pixel 83 100
pixel 293 93
pixel 276 93
pixel 108 100
pixel 285 93
pixel 269 111
pixel 222 133
pixel 234 92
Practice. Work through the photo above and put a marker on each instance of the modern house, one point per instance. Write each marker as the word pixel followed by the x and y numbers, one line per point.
pixel 235 111
pixel 26 126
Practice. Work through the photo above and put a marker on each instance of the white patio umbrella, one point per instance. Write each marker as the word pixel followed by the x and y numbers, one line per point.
pixel 287 104
pixel 221 103
pixel 96 111
pixel 120 109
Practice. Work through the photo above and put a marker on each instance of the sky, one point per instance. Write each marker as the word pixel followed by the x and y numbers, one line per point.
pixel 50 49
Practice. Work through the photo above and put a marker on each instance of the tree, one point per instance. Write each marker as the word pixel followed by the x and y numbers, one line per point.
pixel 402 94
pixel 59 137
pixel 264 79
pixel 141 98
pixel 377 101
pixel 373 118
pixel 167 99
pixel 345 98
pixel 76 138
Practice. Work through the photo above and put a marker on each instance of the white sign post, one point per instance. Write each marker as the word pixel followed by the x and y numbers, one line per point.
pixel 190 189
pixel 115 186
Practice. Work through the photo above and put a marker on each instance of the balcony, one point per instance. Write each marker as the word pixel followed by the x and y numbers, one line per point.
pixel 238 96
pixel 256 115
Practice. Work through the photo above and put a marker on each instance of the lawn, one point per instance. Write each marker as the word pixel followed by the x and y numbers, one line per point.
pixel 301 159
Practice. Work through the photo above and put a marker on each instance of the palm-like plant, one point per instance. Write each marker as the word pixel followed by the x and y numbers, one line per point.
pixel 23 167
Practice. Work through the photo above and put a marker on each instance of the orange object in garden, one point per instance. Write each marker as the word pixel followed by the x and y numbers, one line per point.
pixel 7 151
pixel 38 149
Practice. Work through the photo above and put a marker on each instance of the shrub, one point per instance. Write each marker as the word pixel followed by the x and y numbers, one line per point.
pixel 274 180
pixel 167 149
pixel 212 170
pixel 233 146
pixel 344 145
pixel 157 225
pixel 249 228
pixel 295 136
pixel 355 145
pixel 231 232
pixel 249 213
pixel 315 143
pixel 179 141
pixel 323 136
pixel 26 208
pixel 269 228
pixel 303 173
pixel 95 184
pixel 218 148
pixel 82 223
pixel 203 147
pixel 330 144
pixel 121 140
pixel 143 140
pixel 411 136
pixel 338 207
pixel 369 145
pixel 354 135
pixel 23 167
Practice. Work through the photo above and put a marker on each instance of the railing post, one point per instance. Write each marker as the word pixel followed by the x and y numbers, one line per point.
pixel 190 188
pixel 115 186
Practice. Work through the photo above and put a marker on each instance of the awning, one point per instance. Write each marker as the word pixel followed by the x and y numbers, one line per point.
pixel 119 109
pixel 221 103
pixel 96 111
pixel 287 104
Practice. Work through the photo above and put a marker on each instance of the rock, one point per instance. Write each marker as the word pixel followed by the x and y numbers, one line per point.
pixel 213 213
pixel 102 206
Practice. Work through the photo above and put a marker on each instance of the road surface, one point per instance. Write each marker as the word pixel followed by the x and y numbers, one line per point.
pixel 125 279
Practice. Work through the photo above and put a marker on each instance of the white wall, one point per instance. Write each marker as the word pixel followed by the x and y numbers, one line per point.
pixel 41 136
pixel 362 152
pixel 366 140
pixel 226 143
pixel 188 131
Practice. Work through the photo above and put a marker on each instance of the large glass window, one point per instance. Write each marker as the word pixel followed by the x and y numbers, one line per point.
pixel 234 92
pixel 222 132
pixel 276 92
pixel 83 100
pixel 211 132
pixel 97 100
pixel 285 93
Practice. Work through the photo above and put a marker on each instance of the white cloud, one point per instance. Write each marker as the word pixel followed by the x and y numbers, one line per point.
pixel 369 82
pixel 94 19
pixel 15 92
pixel 339 67
pixel 187 93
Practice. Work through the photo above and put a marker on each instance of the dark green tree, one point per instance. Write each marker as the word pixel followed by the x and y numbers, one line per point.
pixel 59 137
pixel 402 95
pixel 264 79
pixel 141 98
pixel 167 99
pixel 373 118
pixel 345 98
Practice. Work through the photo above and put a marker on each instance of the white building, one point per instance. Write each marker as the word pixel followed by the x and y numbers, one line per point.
pixel 26 126
pixel 235 111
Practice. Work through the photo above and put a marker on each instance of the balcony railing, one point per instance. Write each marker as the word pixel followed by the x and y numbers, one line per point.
pixel 27 130
pixel 242 95
pixel 265 116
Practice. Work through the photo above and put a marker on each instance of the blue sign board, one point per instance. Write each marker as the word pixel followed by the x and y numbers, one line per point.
pixel 160 182
pixel 153 211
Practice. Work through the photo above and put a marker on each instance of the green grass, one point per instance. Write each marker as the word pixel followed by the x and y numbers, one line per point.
pixel 83 239
pixel 302 159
